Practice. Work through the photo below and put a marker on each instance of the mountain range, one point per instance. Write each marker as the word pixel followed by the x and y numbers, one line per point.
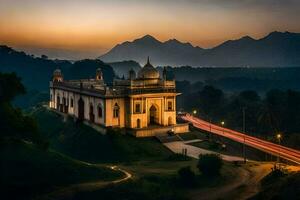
pixel 36 72
pixel 277 49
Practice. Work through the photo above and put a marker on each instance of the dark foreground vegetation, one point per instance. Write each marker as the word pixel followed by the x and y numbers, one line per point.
pixel 27 170
pixel 161 180
pixel 279 185
pixel 28 166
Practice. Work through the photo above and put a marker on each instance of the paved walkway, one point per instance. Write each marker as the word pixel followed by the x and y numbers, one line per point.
pixel 194 152
pixel 192 141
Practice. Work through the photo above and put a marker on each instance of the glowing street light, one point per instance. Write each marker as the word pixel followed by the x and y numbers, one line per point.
pixel 194 112
pixel 223 123
pixel 278 136
pixel 244 130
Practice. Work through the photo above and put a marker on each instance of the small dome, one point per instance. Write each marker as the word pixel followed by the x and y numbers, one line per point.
pixel 148 72
pixel 57 76
pixel 99 75
pixel 57 72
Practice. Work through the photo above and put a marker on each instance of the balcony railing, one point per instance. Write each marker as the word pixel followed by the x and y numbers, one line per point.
pixel 111 91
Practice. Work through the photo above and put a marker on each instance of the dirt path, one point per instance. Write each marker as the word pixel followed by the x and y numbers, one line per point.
pixel 244 185
pixel 252 186
pixel 69 191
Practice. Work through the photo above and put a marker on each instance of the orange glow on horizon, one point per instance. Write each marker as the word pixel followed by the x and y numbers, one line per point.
pixel 100 25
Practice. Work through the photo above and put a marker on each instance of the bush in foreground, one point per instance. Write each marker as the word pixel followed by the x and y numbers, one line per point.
pixel 210 164
pixel 186 176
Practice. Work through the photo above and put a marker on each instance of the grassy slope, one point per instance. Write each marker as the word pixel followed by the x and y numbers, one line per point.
pixel 149 161
pixel 28 169
pixel 158 180
pixel 82 142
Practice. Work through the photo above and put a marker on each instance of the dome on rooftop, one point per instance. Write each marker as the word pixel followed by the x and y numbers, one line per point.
pixel 57 71
pixel 148 72
pixel 57 75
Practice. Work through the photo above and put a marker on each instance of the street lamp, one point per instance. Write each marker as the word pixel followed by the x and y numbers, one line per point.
pixel 278 136
pixel 244 130
pixel 223 123
pixel 194 112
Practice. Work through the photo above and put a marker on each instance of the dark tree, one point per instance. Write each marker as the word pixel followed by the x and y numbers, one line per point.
pixel 210 164
pixel 249 101
pixel 13 124
pixel 186 176
pixel 211 101
pixel 10 87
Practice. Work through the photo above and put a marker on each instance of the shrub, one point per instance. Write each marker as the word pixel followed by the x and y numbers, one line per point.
pixel 210 164
pixel 177 157
pixel 186 176
pixel 273 176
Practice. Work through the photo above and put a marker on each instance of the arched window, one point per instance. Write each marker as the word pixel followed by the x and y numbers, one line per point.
pixel 64 101
pixel 57 102
pixel 137 108
pixel 91 108
pixel 72 103
pixel 100 111
pixel 170 105
pixel 116 111
pixel 80 109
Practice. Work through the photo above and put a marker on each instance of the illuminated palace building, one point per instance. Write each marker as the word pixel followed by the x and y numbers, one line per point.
pixel 144 105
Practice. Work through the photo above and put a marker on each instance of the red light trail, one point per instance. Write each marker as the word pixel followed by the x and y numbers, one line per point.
pixel 265 146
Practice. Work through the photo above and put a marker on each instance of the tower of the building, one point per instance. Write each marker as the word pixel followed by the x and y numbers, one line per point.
pixel 132 74
pixel 57 76
pixel 165 73
pixel 99 75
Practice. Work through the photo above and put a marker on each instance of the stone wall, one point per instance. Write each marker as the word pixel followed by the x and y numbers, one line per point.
pixel 153 131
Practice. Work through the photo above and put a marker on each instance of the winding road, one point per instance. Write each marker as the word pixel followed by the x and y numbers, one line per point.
pixel 263 145
pixel 68 192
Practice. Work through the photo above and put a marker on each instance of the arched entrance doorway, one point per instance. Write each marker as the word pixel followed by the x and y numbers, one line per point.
pixel 64 107
pixel 57 103
pixel 138 123
pixel 170 121
pixel 92 116
pixel 80 109
pixel 153 115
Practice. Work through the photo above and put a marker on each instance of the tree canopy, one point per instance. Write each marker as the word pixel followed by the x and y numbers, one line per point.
pixel 13 123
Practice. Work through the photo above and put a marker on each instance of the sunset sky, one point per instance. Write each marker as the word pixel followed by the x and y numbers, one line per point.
pixel 91 27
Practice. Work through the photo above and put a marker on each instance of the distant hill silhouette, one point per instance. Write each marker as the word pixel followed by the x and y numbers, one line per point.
pixel 122 68
pixel 278 49
pixel 36 72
